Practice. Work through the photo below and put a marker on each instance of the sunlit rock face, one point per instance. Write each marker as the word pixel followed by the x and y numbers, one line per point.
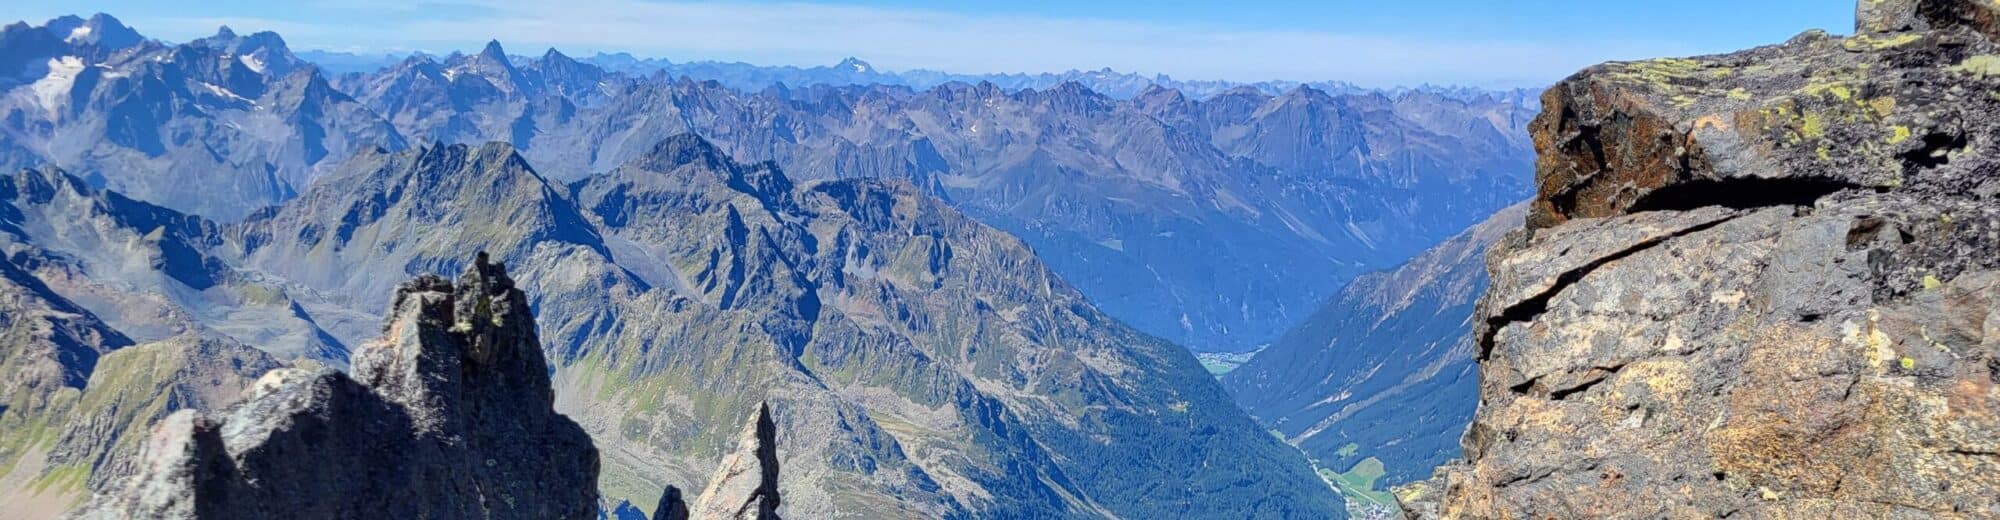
pixel 1758 284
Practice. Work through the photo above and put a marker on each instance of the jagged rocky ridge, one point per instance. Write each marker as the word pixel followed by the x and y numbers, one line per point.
pixel 1759 284
pixel 1297 190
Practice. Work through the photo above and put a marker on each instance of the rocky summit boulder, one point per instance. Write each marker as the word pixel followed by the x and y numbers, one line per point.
pixel 1760 284
pixel 448 416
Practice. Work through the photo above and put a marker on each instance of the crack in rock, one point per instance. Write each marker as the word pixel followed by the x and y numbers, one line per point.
pixel 1532 307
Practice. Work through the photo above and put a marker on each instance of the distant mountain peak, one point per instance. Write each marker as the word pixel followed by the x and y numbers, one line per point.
pixel 493 51
pixel 856 65
pixel 225 33
pixel 100 29
pixel 684 149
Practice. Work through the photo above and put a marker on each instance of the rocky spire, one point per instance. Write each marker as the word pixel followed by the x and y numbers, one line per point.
pixel 745 487
pixel 448 416
pixel 492 51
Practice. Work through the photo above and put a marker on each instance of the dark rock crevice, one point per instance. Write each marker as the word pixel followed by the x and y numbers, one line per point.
pixel 1528 309
pixel 1935 152
pixel 1535 387
pixel 1741 193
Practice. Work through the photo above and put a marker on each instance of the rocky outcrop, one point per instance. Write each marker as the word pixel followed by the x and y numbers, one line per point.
pixel 746 486
pixel 448 416
pixel 1759 284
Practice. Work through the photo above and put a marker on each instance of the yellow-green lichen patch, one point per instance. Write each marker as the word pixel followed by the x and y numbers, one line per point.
pixel 1984 65
pixel 1882 106
pixel 1837 90
pixel 1812 125
pixel 1898 134
pixel 1868 42
pixel 1661 73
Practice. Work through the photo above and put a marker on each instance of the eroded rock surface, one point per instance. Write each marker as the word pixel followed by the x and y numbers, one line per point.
pixel 1753 285
pixel 449 416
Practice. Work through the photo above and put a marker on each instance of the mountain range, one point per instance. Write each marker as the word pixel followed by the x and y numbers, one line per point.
pixel 854 71
pixel 848 253
pixel 1285 196
pixel 924 365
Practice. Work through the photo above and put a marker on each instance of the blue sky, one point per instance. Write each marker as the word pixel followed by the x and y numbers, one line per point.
pixel 1470 42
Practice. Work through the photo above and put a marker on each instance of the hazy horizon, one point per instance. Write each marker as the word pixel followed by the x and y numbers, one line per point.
pixel 1444 42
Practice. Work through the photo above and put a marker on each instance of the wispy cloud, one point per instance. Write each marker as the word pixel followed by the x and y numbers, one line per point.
pixel 901 39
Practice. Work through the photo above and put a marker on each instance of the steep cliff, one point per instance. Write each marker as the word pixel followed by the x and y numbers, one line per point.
pixel 1759 284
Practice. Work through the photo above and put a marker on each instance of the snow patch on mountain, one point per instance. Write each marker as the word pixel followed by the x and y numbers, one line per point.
pixel 253 62
pixel 53 89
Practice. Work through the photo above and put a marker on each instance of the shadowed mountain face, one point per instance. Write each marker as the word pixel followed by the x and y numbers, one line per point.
pixel 1285 194
pixel 1385 370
